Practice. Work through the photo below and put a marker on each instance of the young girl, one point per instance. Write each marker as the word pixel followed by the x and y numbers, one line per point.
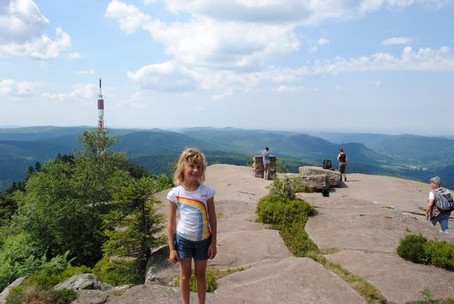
pixel 194 237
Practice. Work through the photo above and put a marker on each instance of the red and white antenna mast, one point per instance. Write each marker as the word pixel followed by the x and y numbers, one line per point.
pixel 100 108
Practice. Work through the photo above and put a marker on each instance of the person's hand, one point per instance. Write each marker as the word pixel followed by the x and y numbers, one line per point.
pixel 173 256
pixel 212 251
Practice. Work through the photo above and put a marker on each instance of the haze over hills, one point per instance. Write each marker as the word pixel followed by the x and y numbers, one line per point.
pixel 409 156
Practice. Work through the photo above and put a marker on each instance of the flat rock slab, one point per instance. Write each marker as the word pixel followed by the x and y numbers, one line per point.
pixel 246 247
pixel 398 280
pixel 361 222
pixel 145 294
pixel 288 281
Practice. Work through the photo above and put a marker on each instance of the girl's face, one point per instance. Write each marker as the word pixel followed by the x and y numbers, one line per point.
pixel 192 171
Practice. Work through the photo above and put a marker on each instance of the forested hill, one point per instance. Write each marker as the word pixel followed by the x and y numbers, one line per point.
pixel 409 156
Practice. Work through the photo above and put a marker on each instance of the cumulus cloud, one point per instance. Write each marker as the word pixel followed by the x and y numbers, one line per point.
pixel 231 46
pixel 22 32
pixel 42 48
pixel 129 17
pixel 166 76
pixel 423 59
pixel 79 92
pixel 20 21
pixel 226 46
pixel 10 87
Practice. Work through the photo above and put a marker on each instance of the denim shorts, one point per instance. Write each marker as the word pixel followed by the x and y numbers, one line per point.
pixel 192 249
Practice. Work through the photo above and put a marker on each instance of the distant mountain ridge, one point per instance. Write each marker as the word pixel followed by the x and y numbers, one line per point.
pixel 408 156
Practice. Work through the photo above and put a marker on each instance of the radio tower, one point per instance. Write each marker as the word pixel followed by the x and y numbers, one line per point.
pixel 100 108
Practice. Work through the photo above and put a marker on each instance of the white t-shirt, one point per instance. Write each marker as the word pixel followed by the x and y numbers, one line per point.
pixel 192 206
pixel 431 195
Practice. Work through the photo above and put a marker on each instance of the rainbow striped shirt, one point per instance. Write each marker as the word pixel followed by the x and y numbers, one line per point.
pixel 193 223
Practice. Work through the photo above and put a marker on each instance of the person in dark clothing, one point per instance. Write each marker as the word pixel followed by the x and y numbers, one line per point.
pixel 342 159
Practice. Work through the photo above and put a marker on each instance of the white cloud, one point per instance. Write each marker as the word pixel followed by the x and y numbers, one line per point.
pixel 79 92
pixel 396 41
pixel 20 21
pixel 266 11
pixel 424 59
pixel 10 87
pixel 75 55
pixel 290 89
pixel 129 17
pixel 228 46
pixel 23 29
pixel 166 76
pixel 223 45
pixel 323 41
pixel 42 48
pixel 85 72
pixel 204 41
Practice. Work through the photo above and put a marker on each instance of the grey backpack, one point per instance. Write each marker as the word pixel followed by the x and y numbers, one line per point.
pixel 443 200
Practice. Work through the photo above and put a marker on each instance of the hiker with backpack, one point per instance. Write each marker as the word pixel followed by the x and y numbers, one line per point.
pixel 342 159
pixel 440 205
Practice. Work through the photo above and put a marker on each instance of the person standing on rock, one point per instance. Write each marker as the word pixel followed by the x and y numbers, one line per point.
pixel 266 163
pixel 433 215
pixel 342 159
pixel 194 236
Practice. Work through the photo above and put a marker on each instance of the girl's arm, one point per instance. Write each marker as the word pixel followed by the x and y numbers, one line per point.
pixel 173 255
pixel 212 250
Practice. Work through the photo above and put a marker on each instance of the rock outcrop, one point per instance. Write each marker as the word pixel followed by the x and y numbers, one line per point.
pixel 317 178
pixel 359 227
pixel 83 281
pixel 159 270
pixel 4 294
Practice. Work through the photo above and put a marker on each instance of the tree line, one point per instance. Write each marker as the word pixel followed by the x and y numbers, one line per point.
pixel 82 210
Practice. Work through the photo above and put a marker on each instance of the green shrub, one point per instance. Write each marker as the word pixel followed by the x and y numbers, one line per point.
pixel 210 278
pixel 119 272
pixel 282 188
pixel 412 248
pixel 211 282
pixel 441 254
pixel 297 240
pixel 42 281
pixel 419 250
pixel 287 187
pixel 32 295
pixel 281 211
pixel 20 256
pixel 38 288
pixel 289 216
pixel 73 270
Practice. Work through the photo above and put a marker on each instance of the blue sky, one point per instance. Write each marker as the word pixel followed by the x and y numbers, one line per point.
pixel 381 66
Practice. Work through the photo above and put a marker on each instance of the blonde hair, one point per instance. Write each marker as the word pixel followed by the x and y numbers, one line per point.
pixel 187 157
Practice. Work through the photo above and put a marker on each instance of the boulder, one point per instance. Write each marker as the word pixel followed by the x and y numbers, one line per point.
pixel 4 294
pixel 316 182
pixel 83 281
pixel 318 178
pixel 159 269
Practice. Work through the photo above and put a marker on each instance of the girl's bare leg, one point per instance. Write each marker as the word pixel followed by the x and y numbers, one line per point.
pixel 185 277
pixel 200 276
